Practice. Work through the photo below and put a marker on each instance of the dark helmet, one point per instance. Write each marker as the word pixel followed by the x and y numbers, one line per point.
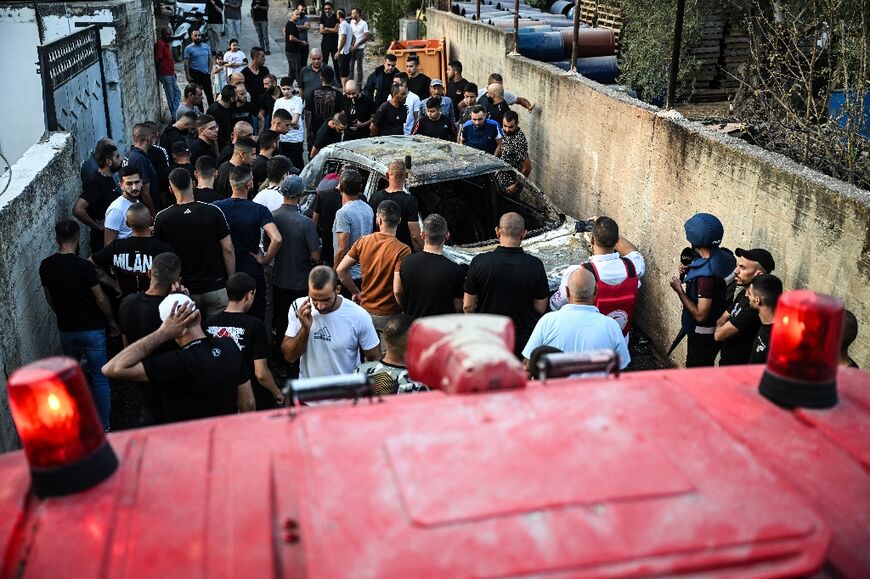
pixel 704 230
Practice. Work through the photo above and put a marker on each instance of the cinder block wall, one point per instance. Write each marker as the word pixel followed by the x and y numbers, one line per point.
pixel 41 193
pixel 596 152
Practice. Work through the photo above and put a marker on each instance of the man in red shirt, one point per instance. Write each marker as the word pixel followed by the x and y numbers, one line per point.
pixel 166 70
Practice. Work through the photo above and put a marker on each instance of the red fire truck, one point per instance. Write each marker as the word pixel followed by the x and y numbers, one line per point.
pixel 738 471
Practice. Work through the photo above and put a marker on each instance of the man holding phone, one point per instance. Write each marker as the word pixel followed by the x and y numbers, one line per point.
pixel 325 331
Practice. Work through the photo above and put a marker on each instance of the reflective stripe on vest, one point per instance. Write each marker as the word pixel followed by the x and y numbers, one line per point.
pixel 616 301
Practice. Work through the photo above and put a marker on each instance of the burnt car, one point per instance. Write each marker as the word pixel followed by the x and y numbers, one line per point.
pixel 464 185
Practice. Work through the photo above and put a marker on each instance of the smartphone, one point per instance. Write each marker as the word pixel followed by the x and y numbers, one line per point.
pixel 583 226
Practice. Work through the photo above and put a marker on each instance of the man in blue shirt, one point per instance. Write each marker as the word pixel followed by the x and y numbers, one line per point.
pixel 247 221
pixel 481 133
pixel 578 326
pixel 197 64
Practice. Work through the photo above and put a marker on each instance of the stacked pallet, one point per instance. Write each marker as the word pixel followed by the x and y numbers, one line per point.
pixel 602 15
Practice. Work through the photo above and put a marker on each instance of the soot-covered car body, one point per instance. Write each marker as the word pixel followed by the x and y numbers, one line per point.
pixel 461 184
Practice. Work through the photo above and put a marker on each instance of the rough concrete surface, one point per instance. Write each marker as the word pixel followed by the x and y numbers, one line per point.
pixel 597 152
pixel 41 193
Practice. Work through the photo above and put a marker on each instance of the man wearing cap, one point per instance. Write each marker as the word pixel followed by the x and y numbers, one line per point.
pixel 706 279
pixel 737 327
pixel 436 91
pixel 297 255
pixel 205 377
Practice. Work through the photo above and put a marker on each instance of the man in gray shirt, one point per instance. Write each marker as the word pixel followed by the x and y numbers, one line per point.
pixel 353 220
pixel 299 250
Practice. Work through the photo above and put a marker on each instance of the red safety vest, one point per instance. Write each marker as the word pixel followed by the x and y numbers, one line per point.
pixel 617 301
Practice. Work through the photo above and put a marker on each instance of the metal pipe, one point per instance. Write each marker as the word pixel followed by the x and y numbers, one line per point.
pixel 576 46
pixel 675 54
pixel 516 25
pixel 103 83
pixel 478 11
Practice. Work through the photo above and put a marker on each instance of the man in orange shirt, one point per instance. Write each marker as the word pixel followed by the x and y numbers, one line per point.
pixel 379 254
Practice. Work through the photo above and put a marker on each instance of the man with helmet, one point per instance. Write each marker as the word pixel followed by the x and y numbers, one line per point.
pixel 706 279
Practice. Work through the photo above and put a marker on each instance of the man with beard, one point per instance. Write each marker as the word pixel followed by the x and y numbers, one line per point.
pixel 98 192
pixel 197 64
pixel 380 80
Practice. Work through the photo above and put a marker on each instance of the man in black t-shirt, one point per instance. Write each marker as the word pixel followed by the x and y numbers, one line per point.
pixel 508 282
pixel 214 12
pixel 329 133
pixel 325 101
pixel 737 327
pixel 204 174
pixel 205 377
pixel 293 46
pixel 327 202
pixel 429 284
pixel 98 191
pixel 409 228
pixel 418 83
pixel 455 85
pixel 249 334
pixel 199 234
pixel 244 150
pixel 205 145
pixel 73 291
pixel 496 107
pixel 763 292
pixel 391 116
pixel 222 112
pixel 358 108
pixel 329 34
pixel 130 259
pixel 139 315
pixel 433 123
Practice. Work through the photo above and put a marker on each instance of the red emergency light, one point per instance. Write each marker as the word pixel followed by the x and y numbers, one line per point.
pixel 57 422
pixel 804 346
pixel 461 353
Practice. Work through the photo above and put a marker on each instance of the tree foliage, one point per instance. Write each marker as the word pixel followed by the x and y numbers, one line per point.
pixel 384 16
pixel 803 53
pixel 647 41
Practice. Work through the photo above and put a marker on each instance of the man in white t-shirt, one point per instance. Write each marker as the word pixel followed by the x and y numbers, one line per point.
pixel 345 41
pixel 360 30
pixel 290 143
pixel 614 259
pixel 115 224
pixel 325 332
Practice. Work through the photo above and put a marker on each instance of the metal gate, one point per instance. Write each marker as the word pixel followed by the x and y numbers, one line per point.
pixel 74 88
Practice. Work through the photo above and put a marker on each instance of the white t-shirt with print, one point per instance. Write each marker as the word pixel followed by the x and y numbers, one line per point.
pixel 335 339
pixel 293 105
pixel 237 59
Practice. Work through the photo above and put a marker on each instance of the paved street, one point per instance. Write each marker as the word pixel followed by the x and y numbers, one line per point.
pixel 276 62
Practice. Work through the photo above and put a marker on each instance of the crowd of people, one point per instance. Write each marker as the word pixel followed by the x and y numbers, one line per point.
pixel 219 285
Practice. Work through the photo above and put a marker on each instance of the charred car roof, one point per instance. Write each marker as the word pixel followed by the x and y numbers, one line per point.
pixel 432 160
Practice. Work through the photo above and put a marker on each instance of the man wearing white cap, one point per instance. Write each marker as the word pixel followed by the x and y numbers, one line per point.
pixel 205 377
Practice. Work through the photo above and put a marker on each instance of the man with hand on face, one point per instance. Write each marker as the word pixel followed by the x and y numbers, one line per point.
pixel 205 377
pixel 326 332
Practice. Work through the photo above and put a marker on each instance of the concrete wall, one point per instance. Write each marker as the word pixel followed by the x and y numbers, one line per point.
pixel 128 57
pixel 596 152
pixel 40 193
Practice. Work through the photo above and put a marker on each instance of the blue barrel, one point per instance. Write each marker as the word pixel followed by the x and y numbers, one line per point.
pixel 541 28
pixel 561 7
pixel 545 46
pixel 603 69
pixel 836 104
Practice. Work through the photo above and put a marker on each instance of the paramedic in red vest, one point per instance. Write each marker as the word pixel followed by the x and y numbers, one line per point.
pixel 617 267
